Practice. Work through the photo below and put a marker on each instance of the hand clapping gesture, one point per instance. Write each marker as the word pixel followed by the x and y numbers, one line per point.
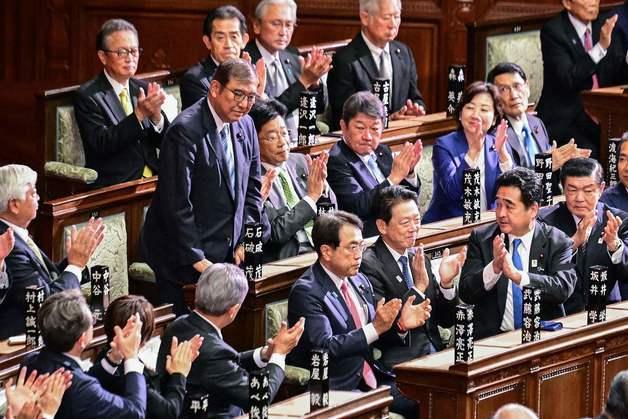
pixel 183 355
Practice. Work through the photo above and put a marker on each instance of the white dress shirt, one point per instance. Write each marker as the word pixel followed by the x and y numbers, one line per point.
pixel 478 163
pixel 376 53
pixel 597 52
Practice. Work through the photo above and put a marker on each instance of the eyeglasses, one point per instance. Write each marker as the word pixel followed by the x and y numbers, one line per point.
pixel 273 137
pixel 239 96
pixel 124 52
pixel 279 24
pixel 355 247
pixel 517 87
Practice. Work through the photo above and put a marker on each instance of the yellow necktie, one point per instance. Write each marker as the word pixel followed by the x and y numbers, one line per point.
pixel 36 250
pixel 128 110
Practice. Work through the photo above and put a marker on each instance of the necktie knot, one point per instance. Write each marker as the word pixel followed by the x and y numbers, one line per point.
pixel 403 259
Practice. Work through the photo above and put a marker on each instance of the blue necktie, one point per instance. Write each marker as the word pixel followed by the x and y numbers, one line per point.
pixel 529 144
pixel 374 168
pixel 405 271
pixel 224 140
pixel 517 296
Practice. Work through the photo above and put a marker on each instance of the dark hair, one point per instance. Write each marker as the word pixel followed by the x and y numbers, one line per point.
pixel 62 319
pixel 122 308
pixel 470 92
pixel 363 102
pixel 505 68
pixel 234 68
pixel 526 181
pixel 223 13
pixel 582 167
pixel 617 402
pixel 387 198
pixel 622 142
pixel 264 111
pixel 109 27
pixel 327 228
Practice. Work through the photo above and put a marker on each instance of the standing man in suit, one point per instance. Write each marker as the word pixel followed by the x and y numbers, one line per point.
pixel 219 371
pixel 26 264
pixel 599 232
pixel 580 52
pixel 120 118
pixel 514 252
pixel 298 184
pixel 287 73
pixel 374 54
pixel 617 196
pixel 211 186
pixel 342 315
pixel 359 165
pixel 65 323
pixel 224 36
pixel 395 271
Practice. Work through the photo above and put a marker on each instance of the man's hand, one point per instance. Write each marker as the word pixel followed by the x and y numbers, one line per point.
pixel 260 70
pixel 408 111
pixel 201 265
pixel 501 134
pixel 413 316
pixel 26 389
pixel 316 176
pixel 56 385
pixel 583 230
pixel 385 314
pixel 565 152
pixel 149 105
pixel 606 32
pixel 81 244
pixel 314 66
pixel 238 255
pixel 183 355
pixel 403 163
pixel 510 271
pixel 7 240
pixel 611 229
pixel 286 339
pixel 30 410
pixel 450 267
pixel 499 253
pixel 128 341
pixel 419 271
pixel 267 183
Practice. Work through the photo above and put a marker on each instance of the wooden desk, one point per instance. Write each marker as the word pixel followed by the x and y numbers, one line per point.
pixel 342 404
pixel 565 375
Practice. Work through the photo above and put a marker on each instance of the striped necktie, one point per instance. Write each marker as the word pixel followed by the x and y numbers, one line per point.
pixel 224 141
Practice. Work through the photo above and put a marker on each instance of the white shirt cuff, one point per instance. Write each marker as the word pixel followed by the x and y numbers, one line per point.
pixel 507 165
pixel 411 179
pixel 257 357
pixel 311 202
pixel 597 53
pixel 279 360
pixel 525 280
pixel 616 256
pixel 158 127
pixel 73 269
pixel 422 294
pixel 111 370
pixel 448 293
pixel 133 365
pixel 490 278
pixel 370 334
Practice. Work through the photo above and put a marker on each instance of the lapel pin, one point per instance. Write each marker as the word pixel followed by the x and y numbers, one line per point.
pixel 397 51
pixel 573 41
pixel 534 263
pixel 399 278
pixel 600 240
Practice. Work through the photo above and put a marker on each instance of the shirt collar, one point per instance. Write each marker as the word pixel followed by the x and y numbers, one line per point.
pixel 526 239
pixel 20 231
pixel 117 87
pixel 269 166
pixel 84 364
pixel 220 124
pixel 396 255
pixel 375 50
pixel 580 27
pixel 518 124
pixel 266 55
pixel 335 278
pixel 210 323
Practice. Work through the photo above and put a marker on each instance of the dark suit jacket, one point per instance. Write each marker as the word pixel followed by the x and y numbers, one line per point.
pixel 354 185
pixel 219 370
pixel 539 133
pixel 380 267
pixel 354 70
pixel 194 213
pixel 116 146
pixel 593 253
pixel 616 197
pixel 285 222
pixel 24 269
pixel 195 82
pixel 86 398
pixel 554 274
pixel 568 70
pixel 449 165
pixel 329 325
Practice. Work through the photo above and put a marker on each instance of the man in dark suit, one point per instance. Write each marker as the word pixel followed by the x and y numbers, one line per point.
pixel 395 271
pixel 514 252
pixel 599 232
pixel 341 312
pixel 211 186
pixel 617 196
pixel 26 264
pixel 119 117
pixel 287 74
pixel 298 184
pixel 224 36
pixel 359 165
pixel 220 372
pixel 579 53
pixel 65 323
pixel 374 54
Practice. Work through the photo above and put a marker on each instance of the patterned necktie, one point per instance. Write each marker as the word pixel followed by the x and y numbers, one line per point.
pixel 405 271
pixel 292 199
pixel 517 296
pixel 367 371
pixel 36 251
pixel 529 144
pixel 385 72
pixel 126 102
pixel 374 168
pixel 279 84
pixel 588 44
pixel 224 140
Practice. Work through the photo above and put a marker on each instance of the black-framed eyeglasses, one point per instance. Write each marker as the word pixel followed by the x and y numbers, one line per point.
pixel 239 95
pixel 125 52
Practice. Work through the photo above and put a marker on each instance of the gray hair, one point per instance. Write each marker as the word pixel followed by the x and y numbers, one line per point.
pixel 235 69
pixel 363 102
pixel 372 6
pixel 617 402
pixel 260 9
pixel 111 26
pixel 514 411
pixel 14 182
pixel 220 287
pixel 62 319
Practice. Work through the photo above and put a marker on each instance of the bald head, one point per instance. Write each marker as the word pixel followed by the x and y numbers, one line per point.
pixel 514 411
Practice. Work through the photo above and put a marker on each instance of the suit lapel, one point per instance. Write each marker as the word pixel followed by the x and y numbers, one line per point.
pixel 299 183
pixel 44 270
pixel 212 138
pixel 363 173
pixel 111 99
pixel 574 42
pixel 514 143
pixel 390 267
pixel 537 129
pixel 537 251
pixel 274 197
pixel 289 67
pixel 237 143
pixel 398 68
pixel 359 290
pixel 365 57
pixel 384 159
pixel 491 166
pixel 333 298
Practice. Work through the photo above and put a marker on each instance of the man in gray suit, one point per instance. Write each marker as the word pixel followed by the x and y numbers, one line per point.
pixel 295 185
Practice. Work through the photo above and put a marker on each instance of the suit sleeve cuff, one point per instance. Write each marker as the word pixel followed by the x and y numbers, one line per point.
pixel 617 254
pixel 370 334
pixel 75 270
pixel 257 358
pixel 525 280
pixel 158 127
pixel 489 276
pixel 311 202
pixel 133 365
pixel 412 180
pixel 448 293
pixel 279 360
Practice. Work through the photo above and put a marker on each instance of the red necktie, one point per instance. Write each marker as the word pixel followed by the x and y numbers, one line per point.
pixel 588 44
pixel 367 371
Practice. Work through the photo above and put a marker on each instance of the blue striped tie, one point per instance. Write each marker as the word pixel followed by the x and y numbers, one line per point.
pixel 224 139
pixel 529 144
pixel 517 296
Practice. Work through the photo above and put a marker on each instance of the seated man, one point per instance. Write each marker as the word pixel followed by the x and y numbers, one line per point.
pixel 219 370
pixel 374 54
pixel 617 402
pixel 299 183
pixel 599 232
pixel 224 36
pixel 341 312
pixel 26 264
pixel 119 117
pixel 617 196
pixel 359 165
pixel 514 252
pixel 65 323
pixel 395 271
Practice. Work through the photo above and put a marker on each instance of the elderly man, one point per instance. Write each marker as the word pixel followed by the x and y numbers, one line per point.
pixel 514 252
pixel 617 402
pixel 26 264
pixel 599 232
pixel 359 165
pixel 617 196
pixel 514 411
pixel 120 118
pixel 220 371
pixel 287 73
pixel 374 54
pixel 224 36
